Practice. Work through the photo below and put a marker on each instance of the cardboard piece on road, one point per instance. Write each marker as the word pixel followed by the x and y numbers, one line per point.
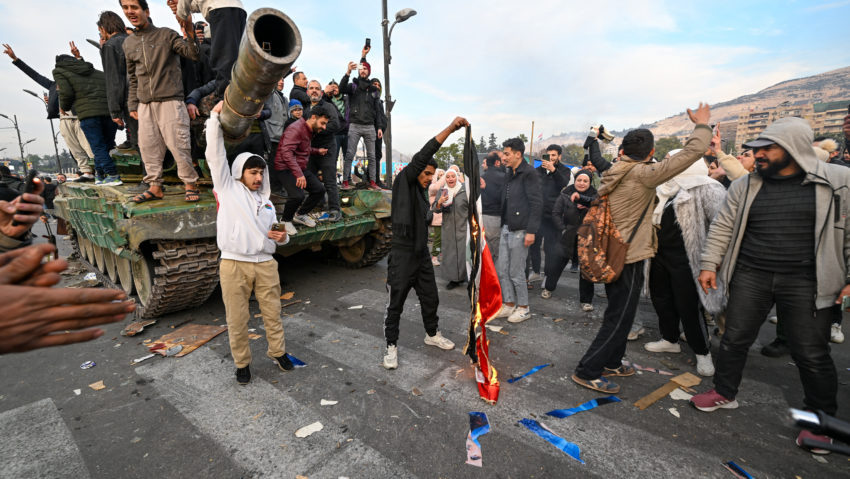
pixel 135 328
pixel 191 337
pixel 684 380
pixel 98 385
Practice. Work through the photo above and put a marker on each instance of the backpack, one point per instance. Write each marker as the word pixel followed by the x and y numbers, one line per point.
pixel 601 249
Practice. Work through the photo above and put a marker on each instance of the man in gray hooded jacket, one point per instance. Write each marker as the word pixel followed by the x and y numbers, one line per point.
pixel 783 238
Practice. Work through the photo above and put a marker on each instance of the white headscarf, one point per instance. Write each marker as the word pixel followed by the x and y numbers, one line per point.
pixel 695 175
pixel 453 190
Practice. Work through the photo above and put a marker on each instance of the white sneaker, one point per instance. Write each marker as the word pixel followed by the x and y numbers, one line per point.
pixel 440 341
pixel 836 335
pixel 704 365
pixel 636 333
pixel 773 319
pixel 683 337
pixel 505 311
pixel 391 358
pixel 545 294
pixel 290 228
pixel 586 307
pixel 304 220
pixel 663 346
pixel 519 315
pixel 534 277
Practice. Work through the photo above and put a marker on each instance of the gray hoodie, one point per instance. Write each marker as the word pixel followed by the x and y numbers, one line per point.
pixel 832 228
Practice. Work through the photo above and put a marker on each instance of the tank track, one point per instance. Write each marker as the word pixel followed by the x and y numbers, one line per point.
pixel 377 248
pixel 185 274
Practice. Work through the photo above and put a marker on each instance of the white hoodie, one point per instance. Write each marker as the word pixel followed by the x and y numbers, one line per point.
pixel 244 217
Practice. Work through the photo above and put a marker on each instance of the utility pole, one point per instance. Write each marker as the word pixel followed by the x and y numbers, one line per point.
pixel 52 131
pixel 388 135
pixel 14 121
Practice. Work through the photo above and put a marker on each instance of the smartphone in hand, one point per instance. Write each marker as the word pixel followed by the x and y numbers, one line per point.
pixel 30 185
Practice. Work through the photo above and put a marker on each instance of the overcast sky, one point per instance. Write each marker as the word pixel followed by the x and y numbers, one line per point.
pixel 500 63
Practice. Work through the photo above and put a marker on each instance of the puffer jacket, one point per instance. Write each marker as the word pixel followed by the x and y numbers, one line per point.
pixel 630 185
pixel 522 199
pixel 81 87
pixel 832 214
pixel 153 69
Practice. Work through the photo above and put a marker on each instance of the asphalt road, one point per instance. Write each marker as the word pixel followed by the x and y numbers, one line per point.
pixel 179 417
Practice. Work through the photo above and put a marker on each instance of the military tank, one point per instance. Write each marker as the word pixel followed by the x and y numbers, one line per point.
pixel 165 251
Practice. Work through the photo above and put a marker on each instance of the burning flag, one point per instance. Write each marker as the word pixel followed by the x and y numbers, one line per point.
pixel 485 294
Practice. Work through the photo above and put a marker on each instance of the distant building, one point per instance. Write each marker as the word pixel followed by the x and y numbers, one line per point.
pixel 728 134
pixel 823 117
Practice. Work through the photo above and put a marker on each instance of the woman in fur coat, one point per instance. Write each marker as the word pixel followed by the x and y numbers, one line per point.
pixel 687 205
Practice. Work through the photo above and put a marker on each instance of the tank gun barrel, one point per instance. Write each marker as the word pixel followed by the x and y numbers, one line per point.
pixel 270 45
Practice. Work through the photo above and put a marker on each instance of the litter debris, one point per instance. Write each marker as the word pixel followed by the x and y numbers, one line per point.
pixel 287 295
pixel 189 337
pixel 295 361
pixel 135 328
pixel 299 476
pixel 674 411
pixel 308 430
pixel 257 416
pixel 90 277
pixel 493 328
pixel 737 470
pixel 644 368
pixel 416 392
pixel 567 447
pixel 479 425
pixel 291 303
pixel 174 350
pixel 557 320
pixel 503 332
pixel 254 336
pixel 529 373
pixel 562 413
pixel 669 364
pixel 327 402
pixel 679 395
pixel 820 459
pixel 371 391
pixel 98 385
pixel 87 365
pixel 359 306
pixel 78 392
pixel 143 358
pixel 684 380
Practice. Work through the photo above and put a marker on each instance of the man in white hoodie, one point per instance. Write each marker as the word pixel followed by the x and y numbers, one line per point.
pixel 247 242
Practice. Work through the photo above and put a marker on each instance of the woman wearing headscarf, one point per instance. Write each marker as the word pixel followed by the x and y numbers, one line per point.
pixel 454 206
pixel 686 206
pixel 436 238
pixel 567 214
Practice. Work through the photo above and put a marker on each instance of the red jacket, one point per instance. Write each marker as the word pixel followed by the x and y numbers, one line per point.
pixel 295 149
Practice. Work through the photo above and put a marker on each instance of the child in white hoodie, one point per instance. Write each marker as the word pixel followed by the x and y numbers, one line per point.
pixel 247 242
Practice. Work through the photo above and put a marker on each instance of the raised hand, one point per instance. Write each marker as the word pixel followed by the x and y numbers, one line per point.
pixel 701 116
pixel 75 51
pixel 8 51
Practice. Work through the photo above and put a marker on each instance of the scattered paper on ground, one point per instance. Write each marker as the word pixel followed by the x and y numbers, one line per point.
pixel 493 328
pixel 135 328
pixel 287 295
pixel 191 337
pixel 255 336
pixel 679 395
pixel 674 411
pixel 307 430
pixel 143 358
pixel 326 402
pixel 416 392
pixel 98 385
pixel 78 392
pixel 359 306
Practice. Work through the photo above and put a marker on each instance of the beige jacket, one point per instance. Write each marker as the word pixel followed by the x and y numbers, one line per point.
pixel 733 168
pixel 630 186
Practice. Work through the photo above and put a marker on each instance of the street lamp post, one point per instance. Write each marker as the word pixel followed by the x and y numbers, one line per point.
pixel 52 131
pixel 14 121
pixel 25 150
pixel 400 16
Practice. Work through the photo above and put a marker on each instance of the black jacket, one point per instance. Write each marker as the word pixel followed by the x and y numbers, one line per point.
pixel 300 93
pixel 595 155
pixel 552 184
pixel 326 138
pixel 410 212
pixel 522 199
pixel 363 102
pixel 115 71
pixel 491 195
pixel 46 83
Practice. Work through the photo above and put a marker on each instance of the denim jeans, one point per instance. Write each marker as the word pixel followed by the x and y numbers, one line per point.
pixel 369 135
pixel 752 293
pixel 609 345
pixel 511 267
pixel 100 133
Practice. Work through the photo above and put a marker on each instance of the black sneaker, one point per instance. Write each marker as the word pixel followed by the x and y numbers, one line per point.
pixel 776 349
pixel 243 375
pixel 284 363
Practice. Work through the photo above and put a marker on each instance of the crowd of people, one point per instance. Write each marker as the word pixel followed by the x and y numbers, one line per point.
pixel 717 241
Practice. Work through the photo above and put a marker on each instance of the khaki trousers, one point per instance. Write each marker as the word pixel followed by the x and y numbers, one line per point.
pixel 69 127
pixel 164 125
pixel 237 279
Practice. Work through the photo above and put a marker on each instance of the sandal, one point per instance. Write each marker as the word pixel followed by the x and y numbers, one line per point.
pixel 622 371
pixel 192 195
pixel 602 385
pixel 147 195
